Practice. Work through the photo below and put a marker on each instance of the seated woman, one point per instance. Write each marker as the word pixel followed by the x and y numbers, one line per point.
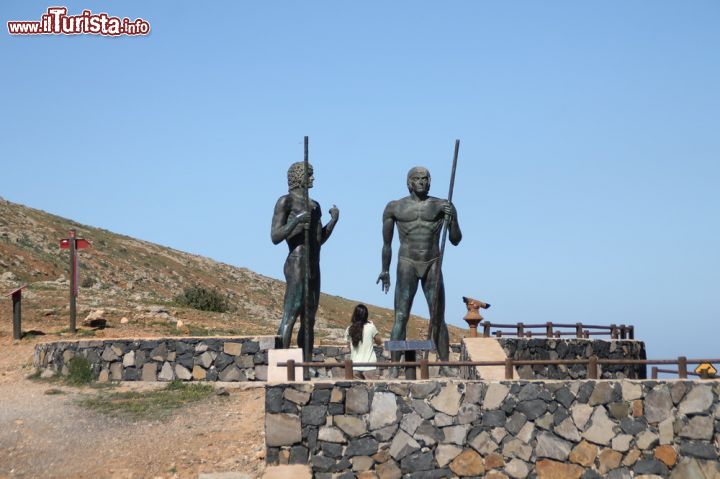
pixel 362 334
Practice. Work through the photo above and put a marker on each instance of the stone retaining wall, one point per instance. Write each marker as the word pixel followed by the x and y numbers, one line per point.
pixel 163 359
pixel 185 358
pixel 245 358
pixel 549 348
pixel 510 429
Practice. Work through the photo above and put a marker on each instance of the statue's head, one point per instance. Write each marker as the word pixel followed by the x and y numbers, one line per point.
pixel 296 175
pixel 418 180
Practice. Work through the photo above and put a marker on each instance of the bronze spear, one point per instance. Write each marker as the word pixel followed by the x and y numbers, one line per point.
pixel 446 225
pixel 307 348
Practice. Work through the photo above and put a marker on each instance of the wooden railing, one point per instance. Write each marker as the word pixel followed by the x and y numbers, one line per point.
pixel 655 370
pixel 592 363
pixel 554 330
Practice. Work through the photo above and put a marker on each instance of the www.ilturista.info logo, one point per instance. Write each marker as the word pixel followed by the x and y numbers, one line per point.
pixel 57 22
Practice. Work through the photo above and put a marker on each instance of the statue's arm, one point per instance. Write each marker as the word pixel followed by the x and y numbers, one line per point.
pixel 282 226
pixel 454 228
pixel 388 227
pixel 330 226
pixel 387 232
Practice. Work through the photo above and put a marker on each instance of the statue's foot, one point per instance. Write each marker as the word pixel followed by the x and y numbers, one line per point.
pixel 394 373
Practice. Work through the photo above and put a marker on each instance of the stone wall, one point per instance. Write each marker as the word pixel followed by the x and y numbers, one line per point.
pixel 571 348
pixel 245 358
pixel 509 429
pixel 163 359
pixel 186 358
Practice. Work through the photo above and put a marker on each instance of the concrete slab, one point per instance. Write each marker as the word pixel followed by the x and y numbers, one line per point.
pixel 487 349
pixel 295 471
pixel 279 375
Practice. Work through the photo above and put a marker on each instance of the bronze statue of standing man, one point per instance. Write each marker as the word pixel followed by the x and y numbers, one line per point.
pixel 289 221
pixel 419 219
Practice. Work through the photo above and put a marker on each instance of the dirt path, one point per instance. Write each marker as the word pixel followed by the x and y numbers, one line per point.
pixel 45 435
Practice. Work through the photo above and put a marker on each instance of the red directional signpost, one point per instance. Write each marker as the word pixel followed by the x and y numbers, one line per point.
pixel 73 243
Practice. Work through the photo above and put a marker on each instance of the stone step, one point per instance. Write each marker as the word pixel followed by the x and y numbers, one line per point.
pixel 487 349
pixel 295 471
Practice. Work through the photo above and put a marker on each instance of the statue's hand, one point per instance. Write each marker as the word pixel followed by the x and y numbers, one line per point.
pixel 449 210
pixel 385 279
pixel 303 217
pixel 334 213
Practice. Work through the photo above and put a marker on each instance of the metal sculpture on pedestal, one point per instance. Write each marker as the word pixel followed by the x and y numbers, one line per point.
pixel 297 221
pixel 473 316
pixel 420 219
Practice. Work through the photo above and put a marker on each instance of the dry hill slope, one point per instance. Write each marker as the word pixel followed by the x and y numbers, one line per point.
pixel 139 280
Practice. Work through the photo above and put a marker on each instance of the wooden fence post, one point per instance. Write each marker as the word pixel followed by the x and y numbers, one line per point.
pixel 290 369
pixel 424 369
pixel 508 368
pixel 682 367
pixel 592 368
pixel 613 331
pixel 486 329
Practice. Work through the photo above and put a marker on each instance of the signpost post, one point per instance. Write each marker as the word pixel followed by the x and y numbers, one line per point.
pixel 73 243
pixel 17 313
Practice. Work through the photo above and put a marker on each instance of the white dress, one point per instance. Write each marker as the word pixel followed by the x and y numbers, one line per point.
pixel 364 352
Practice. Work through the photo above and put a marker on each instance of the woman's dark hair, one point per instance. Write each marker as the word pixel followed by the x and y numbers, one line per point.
pixel 359 318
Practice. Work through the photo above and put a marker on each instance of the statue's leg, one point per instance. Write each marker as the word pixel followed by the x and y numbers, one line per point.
pixel 293 298
pixel 405 289
pixel 439 330
pixel 314 302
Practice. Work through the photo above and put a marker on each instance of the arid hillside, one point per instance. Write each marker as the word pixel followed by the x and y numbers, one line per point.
pixel 123 277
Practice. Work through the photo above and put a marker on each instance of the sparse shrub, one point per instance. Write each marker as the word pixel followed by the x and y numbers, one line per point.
pixel 79 371
pixel 203 299
pixel 87 282
pixel 157 404
pixel 174 385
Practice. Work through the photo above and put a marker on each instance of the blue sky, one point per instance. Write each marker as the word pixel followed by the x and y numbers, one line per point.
pixel 588 180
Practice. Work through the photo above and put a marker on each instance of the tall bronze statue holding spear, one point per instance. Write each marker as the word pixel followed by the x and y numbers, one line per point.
pixel 419 219
pixel 297 221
